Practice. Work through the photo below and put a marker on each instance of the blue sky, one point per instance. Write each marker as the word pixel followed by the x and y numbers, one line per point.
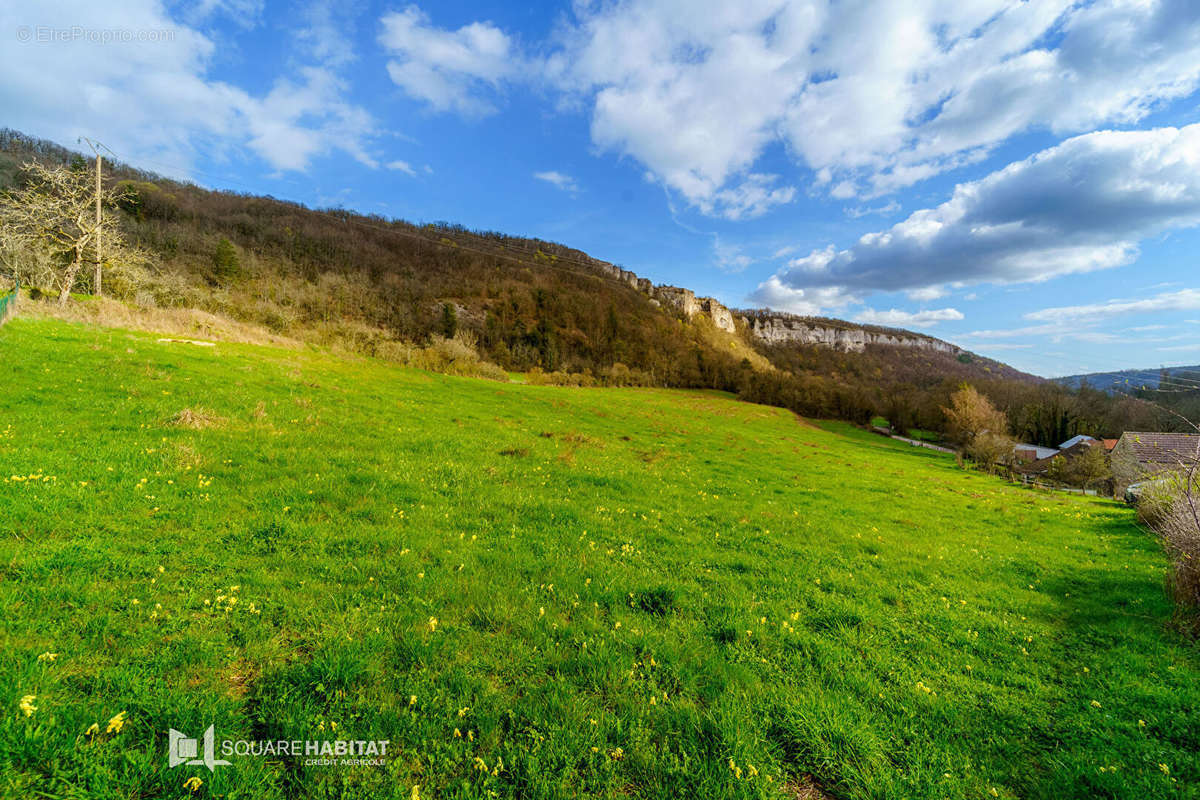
pixel 1022 179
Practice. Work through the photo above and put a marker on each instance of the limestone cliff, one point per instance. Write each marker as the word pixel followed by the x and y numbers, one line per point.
pixel 782 328
pixel 772 327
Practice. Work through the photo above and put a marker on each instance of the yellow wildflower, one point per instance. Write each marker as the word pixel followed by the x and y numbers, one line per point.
pixel 93 729
pixel 27 705
pixel 47 656
pixel 116 723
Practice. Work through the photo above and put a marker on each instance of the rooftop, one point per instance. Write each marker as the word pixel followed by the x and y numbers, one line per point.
pixel 1163 448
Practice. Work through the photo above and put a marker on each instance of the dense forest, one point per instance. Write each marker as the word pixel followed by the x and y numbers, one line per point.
pixel 365 283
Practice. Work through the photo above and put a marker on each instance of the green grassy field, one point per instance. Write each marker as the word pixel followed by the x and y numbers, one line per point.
pixel 541 592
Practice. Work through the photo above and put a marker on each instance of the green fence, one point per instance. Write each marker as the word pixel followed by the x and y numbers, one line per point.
pixel 8 303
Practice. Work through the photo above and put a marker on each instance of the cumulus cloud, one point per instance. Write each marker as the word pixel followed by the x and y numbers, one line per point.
pixel 870 97
pixel 558 179
pixel 811 302
pixel 152 99
pixel 908 319
pixel 1080 206
pixel 863 99
pixel 456 70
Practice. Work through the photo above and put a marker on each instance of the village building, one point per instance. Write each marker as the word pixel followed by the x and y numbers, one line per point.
pixel 1042 465
pixel 1028 453
pixel 1139 455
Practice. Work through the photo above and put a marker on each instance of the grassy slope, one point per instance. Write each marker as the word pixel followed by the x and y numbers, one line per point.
pixel 690 579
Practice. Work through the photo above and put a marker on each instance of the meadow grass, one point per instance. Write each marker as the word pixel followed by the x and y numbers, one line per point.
pixel 543 592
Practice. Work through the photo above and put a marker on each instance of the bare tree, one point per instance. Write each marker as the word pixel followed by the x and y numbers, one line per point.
pixel 979 427
pixel 48 226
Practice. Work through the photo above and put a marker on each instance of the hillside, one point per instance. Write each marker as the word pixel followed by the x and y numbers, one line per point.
pixel 365 283
pixel 1131 381
pixel 383 287
pixel 538 592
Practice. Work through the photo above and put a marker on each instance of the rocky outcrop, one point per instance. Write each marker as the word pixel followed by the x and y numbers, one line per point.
pixel 773 328
pixel 685 302
pixel 625 276
pixel 721 316
pixel 782 328
pixel 681 300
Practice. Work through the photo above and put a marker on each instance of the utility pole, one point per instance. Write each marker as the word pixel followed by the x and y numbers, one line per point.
pixel 96 289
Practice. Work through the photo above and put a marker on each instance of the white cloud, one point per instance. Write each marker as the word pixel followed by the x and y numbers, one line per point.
pixel 863 99
pixel 559 179
pixel 451 70
pixel 1182 300
pixel 871 97
pixel 885 210
pixel 325 29
pixel 153 101
pixel 244 13
pixel 730 257
pixel 749 198
pixel 908 319
pixel 1080 206
pixel 773 293
pixel 402 166
pixel 927 293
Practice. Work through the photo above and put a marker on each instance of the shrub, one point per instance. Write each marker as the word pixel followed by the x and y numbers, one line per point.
pixel 225 262
pixel 455 356
pixel 1180 531
pixel 538 377
pixel 1170 506
pixel 449 320
pixel 1155 502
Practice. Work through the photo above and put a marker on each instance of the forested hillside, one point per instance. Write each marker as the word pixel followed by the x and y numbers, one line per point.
pixel 371 284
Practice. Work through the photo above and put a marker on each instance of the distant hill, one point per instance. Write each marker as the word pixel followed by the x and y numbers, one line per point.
pixel 1130 381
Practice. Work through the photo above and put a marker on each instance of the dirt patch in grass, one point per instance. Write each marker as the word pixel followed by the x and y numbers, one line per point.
pixel 805 788
pixel 196 419
pixel 239 678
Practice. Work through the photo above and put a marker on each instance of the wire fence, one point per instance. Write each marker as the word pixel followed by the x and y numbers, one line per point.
pixel 8 303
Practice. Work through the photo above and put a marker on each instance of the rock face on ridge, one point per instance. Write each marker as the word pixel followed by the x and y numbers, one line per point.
pixel 783 328
pixel 774 327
